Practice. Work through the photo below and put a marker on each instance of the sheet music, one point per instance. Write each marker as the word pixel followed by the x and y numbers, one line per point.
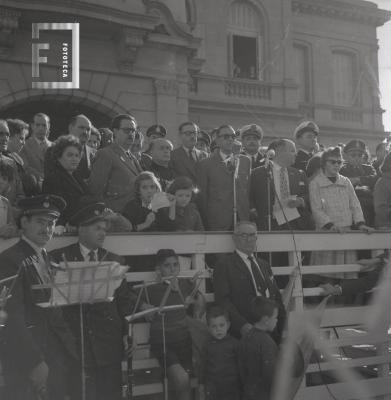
pixel 85 282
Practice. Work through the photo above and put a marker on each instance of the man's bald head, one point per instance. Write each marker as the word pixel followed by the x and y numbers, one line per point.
pixel 80 127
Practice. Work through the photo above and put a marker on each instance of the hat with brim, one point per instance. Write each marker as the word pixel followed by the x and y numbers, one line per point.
pixel 355 145
pixel 159 130
pixel 306 126
pixel 89 214
pixel 48 204
pixel 248 130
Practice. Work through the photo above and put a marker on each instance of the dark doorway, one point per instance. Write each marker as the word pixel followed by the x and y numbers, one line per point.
pixel 59 111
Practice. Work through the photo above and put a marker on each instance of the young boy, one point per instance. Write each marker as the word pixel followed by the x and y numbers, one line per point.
pixel 220 369
pixel 258 352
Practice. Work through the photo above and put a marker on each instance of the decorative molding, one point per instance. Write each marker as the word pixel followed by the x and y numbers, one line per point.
pixel 129 42
pixel 168 87
pixel 9 22
pixel 364 14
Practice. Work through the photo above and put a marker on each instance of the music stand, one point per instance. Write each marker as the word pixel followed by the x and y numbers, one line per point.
pixel 5 295
pixel 162 309
pixel 78 283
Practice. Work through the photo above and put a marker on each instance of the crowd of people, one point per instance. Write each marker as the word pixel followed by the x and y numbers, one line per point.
pixel 91 180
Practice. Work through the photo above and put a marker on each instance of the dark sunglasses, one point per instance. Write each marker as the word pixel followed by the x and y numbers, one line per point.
pixel 335 162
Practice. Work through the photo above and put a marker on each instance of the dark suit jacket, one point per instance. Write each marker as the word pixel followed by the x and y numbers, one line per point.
pixel 301 160
pixel 70 187
pixel 32 333
pixel 183 165
pixel 34 157
pixel 298 185
pixel 258 162
pixel 234 290
pixel 112 177
pixel 216 196
pixel 104 323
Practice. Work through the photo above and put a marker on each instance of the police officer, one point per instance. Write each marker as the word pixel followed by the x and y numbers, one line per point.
pixel 306 139
pixel 251 136
pixel 203 141
pixel 363 176
pixel 37 346
pixel 105 328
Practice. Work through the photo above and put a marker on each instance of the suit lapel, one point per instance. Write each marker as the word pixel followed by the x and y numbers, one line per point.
pixel 239 263
pixel 189 164
pixel 125 160
pixel 220 163
pixel 292 180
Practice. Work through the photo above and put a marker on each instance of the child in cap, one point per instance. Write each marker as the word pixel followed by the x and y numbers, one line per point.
pixel 177 359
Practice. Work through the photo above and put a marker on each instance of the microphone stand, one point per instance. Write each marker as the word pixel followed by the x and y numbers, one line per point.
pixel 269 174
pixel 235 176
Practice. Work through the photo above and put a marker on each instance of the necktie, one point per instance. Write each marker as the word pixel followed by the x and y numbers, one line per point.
pixel 92 255
pixel 43 270
pixel 261 285
pixel 284 185
pixel 192 155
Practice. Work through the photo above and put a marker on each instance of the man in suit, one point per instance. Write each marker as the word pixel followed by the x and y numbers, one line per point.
pixel 251 136
pixel 215 178
pixel 115 169
pixel 239 277
pixel 288 188
pixel 36 146
pixel 184 158
pixel 80 126
pixel 306 138
pixel 363 177
pixel 105 327
pixel 37 346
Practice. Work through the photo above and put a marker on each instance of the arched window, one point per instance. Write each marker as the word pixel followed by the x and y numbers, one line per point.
pixel 245 41
pixel 346 91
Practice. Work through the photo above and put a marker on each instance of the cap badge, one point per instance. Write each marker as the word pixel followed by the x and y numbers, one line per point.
pixel 46 204
pixel 96 212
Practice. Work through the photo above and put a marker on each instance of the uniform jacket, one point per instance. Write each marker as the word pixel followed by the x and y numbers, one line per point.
pixel 256 161
pixel 104 324
pixel 216 197
pixel 32 333
pixel 298 185
pixel 183 165
pixel 70 187
pixel 301 160
pixel 382 201
pixel 34 156
pixel 234 290
pixel 112 177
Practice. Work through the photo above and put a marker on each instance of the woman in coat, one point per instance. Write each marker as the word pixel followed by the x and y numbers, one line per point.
pixel 61 180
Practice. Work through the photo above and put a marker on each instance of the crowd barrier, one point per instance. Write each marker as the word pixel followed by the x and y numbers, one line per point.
pixel 340 325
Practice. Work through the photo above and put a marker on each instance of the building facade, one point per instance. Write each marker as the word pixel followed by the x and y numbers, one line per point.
pixel 271 62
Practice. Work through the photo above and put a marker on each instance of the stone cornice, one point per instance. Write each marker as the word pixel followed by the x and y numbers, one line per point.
pixel 347 10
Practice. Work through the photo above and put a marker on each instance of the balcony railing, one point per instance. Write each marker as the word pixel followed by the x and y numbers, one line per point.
pixel 199 244
pixel 247 89
pixel 347 115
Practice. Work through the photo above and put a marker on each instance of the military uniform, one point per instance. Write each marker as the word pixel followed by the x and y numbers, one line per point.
pixel 104 323
pixel 368 177
pixel 257 159
pixel 33 334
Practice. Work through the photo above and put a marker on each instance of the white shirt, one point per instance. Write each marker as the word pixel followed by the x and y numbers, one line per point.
pixel 85 252
pixel 225 157
pixel 245 259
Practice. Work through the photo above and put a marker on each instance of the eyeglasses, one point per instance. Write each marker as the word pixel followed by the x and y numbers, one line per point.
pixel 227 136
pixel 190 133
pixel 128 131
pixel 335 162
pixel 247 236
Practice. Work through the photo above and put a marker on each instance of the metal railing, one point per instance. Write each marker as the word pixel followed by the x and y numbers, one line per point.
pixel 199 244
